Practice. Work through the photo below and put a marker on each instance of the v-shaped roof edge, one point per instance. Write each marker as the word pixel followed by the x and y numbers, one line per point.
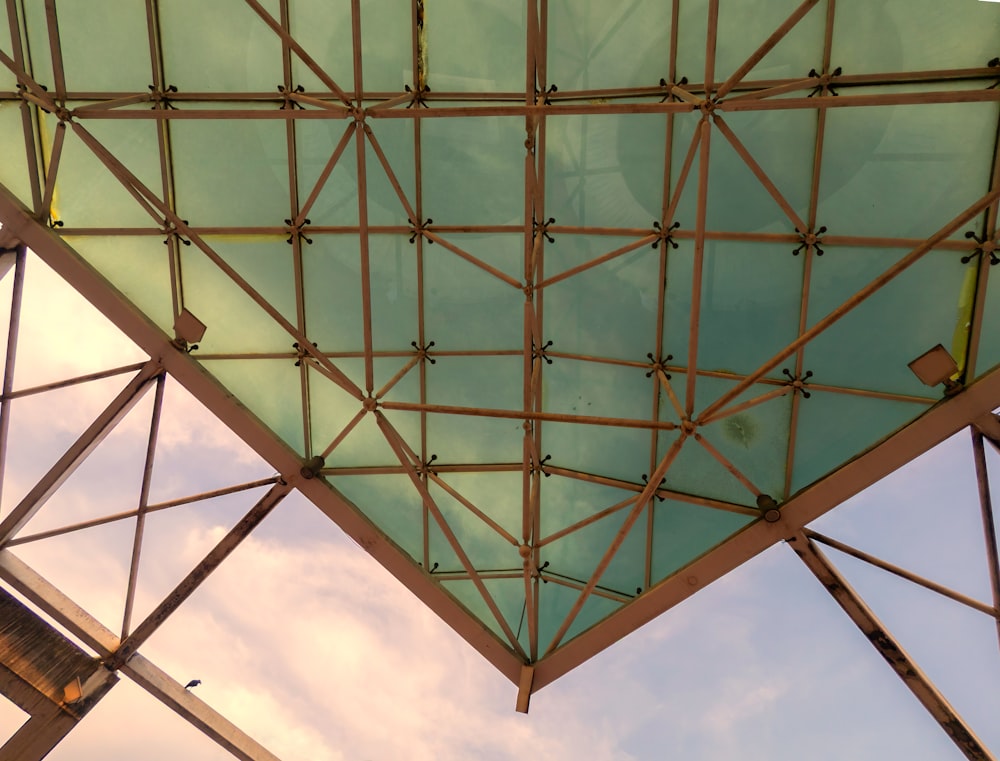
pixel 941 421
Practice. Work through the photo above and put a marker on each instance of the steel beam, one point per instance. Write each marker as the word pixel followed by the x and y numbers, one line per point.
pixel 79 451
pixel 911 674
pixel 104 642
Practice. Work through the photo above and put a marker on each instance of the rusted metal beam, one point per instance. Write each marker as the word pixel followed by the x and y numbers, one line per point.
pixel 897 658
pixel 148 676
pixel 989 524
pixel 201 572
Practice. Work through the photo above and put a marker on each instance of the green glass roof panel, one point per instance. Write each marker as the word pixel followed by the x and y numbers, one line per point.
pixel 904 172
pixel 35 37
pixel 463 62
pixel 138 266
pixel 237 323
pixel 266 386
pixel 394 137
pixel 682 531
pixel 473 170
pixel 485 547
pixel 197 58
pixel 98 56
pixel 833 428
pixel 556 601
pixel 392 504
pixel 604 450
pixel 604 170
pixel 596 389
pixel 386 44
pixel 608 310
pixel 331 269
pixel 336 204
pixel 251 192
pixel 394 297
pixel 753 440
pixel 87 194
pixel 569 501
pixel 870 347
pixel 466 306
pixel 751 298
pixel 907 35
pixel 8 79
pixel 14 168
pixel 324 31
pixel 586 39
pixel 507 595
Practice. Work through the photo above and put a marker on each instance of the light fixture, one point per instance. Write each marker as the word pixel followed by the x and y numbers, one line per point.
pixel 936 366
pixel 188 329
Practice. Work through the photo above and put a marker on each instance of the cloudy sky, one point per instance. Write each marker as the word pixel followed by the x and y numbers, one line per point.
pixel 304 641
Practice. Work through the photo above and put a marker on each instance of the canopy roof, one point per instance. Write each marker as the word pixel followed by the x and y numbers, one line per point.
pixel 581 304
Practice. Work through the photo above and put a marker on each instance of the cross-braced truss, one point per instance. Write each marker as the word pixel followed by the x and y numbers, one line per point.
pixel 561 353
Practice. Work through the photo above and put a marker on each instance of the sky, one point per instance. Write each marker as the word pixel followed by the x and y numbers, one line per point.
pixel 305 642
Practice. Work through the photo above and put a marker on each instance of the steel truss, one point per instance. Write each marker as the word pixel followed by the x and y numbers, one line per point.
pixel 541 661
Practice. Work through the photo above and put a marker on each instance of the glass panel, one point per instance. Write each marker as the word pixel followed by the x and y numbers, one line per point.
pixel 577 555
pixel 781 143
pixel 395 138
pixel 605 311
pixel 14 167
pixel 470 439
pixel 392 504
pixel 614 452
pixel 743 27
pixel 466 307
pixel 473 170
pixel 496 494
pixel 139 267
pixel 331 269
pixel 904 171
pixel 587 38
pixel 565 501
pixel 695 471
pixel 751 294
pixel 37 51
pixel 555 602
pixel 605 171
pixel 871 346
pixel 596 389
pixel 834 428
pixel 269 388
pixel 323 29
pixel 222 46
pixel 475 48
pixel 7 78
pixel 87 193
pixel 236 323
pixel 386 44
pixel 901 35
pixel 266 263
pixel 105 46
pixel 754 441
pixel 485 548
pixel 508 594
pixel 683 532
pixel 231 173
pixel 330 410
pixel 337 202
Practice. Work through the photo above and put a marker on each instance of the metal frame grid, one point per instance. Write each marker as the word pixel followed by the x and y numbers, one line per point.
pixel 541 662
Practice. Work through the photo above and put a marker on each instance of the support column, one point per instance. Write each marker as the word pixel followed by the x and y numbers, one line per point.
pixel 915 679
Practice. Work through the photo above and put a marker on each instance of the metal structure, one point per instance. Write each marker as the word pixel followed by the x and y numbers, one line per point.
pixel 558 335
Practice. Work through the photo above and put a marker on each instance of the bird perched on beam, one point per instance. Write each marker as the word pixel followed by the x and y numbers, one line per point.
pixel 192 683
